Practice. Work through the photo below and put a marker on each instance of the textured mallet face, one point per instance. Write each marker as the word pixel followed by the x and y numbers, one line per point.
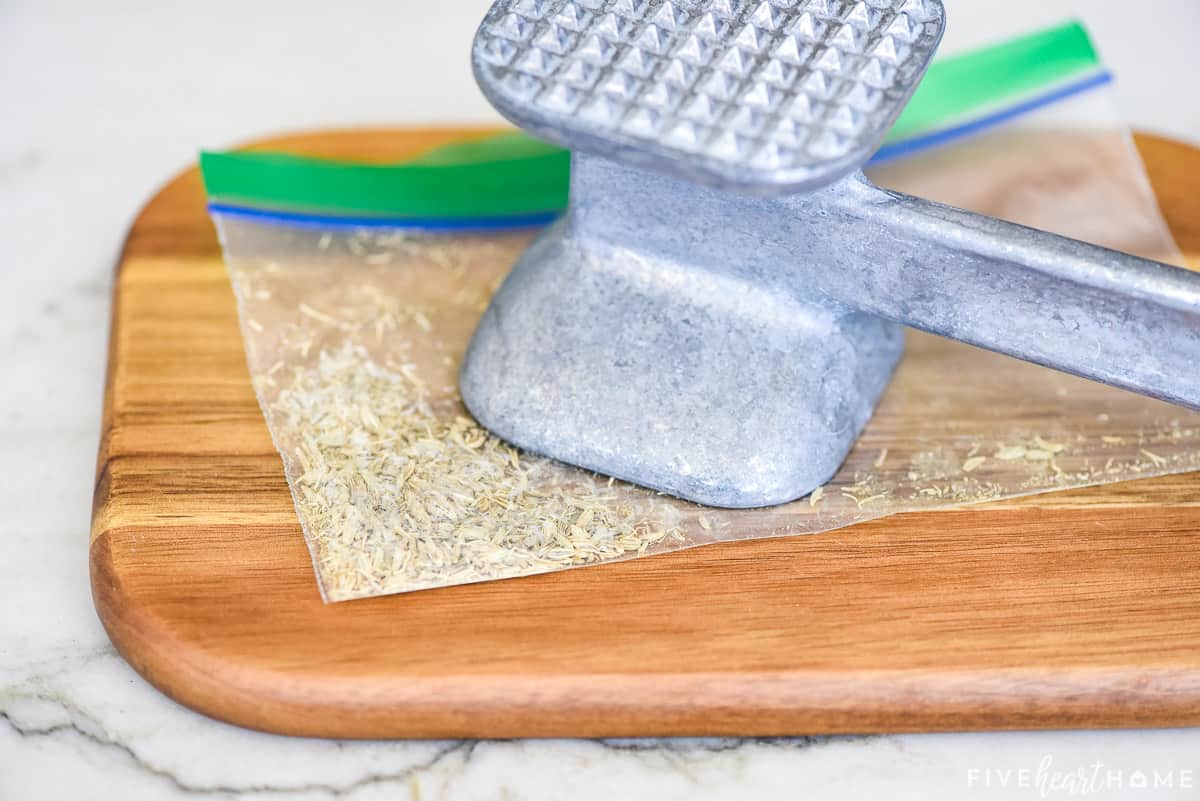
pixel 773 96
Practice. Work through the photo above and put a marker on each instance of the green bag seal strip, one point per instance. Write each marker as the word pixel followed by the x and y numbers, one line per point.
pixel 513 176
pixel 506 175
pixel 963 85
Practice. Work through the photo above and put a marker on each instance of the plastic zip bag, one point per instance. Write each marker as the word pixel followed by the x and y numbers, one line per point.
pixel 358 288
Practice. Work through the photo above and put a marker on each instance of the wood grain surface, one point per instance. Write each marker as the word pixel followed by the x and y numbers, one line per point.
pixel 1073 609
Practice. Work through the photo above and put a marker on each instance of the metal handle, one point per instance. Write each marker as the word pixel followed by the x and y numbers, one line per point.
pixel 1076 307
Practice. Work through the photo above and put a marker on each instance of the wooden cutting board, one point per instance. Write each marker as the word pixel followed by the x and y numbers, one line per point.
pixel 1073 609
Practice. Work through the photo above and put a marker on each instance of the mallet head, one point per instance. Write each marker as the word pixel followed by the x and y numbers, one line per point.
pixel 766 96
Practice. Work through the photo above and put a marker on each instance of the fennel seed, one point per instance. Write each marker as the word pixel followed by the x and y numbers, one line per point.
pixel 393 498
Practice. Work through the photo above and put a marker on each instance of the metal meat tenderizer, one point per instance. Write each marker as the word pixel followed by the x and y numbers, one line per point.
pixel 718 312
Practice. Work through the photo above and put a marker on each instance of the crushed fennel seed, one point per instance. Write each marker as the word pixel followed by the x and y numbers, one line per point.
pixel 1157 460
pixel 395 499
pixel 1050 447
pixel 973 463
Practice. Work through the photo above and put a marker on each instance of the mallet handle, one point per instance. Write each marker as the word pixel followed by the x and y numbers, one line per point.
pixel 1076 307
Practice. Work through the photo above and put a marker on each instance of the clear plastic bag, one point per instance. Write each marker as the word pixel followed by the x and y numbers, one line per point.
pixel 354 335
pixel 354 338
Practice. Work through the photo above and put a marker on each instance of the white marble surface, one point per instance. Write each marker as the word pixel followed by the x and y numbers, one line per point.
pixel 101 102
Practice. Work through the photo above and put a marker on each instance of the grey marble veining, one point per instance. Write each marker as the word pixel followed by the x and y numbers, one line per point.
pixel 87 136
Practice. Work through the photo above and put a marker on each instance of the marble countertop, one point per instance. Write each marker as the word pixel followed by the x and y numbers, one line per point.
pixel 100 108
